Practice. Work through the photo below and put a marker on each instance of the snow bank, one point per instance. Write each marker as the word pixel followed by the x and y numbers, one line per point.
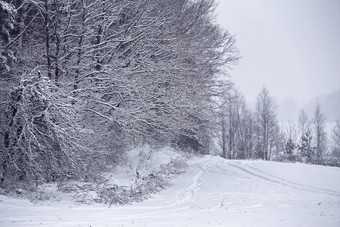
pixel 143 172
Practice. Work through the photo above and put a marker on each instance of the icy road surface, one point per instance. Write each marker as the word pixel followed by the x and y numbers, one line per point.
pixel 212 192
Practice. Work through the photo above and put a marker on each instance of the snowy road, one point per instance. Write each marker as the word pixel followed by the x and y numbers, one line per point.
pixel 212 192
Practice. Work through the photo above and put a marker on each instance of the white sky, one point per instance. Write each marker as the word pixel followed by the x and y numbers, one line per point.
pixel 290 46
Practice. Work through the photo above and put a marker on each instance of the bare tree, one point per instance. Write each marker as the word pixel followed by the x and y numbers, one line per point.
pixel 267 126
pixel 236 114
pixel 227 121
pixel 336 141
pixel 245 142
pixel 303 123
pixel 320 136
pixel 236 126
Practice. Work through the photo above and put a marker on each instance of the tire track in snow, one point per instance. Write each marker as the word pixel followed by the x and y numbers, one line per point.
pixel 321 190
pixel 189 194
pixel 184 201
pixel 277 180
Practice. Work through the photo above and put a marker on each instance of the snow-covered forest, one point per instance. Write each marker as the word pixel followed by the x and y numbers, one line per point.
pixel 85 82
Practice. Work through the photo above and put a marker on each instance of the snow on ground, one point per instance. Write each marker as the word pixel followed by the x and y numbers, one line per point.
pixel 212 192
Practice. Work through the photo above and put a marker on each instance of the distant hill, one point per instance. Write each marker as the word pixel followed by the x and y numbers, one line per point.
pixel 289 109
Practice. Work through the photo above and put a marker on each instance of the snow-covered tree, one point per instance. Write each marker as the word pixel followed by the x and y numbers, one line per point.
pixel 306 147
pixel 7 21
pixel 8 14
pixel 129 71
pixel 291 140
pixel 289 149
pixel 156 72
pixel 43 142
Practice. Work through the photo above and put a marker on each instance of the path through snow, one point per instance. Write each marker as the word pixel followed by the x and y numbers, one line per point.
pixel 212 192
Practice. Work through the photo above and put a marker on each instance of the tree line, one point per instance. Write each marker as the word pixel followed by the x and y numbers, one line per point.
pixel 244 134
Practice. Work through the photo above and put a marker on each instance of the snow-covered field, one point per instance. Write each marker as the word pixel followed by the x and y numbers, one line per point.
pixel 212 192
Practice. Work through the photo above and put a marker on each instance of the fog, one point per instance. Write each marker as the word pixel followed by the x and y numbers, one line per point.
pixel 291 47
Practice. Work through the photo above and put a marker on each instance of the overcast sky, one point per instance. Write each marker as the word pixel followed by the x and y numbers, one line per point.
pixel 292 47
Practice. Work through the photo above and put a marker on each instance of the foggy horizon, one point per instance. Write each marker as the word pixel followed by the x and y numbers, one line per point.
pixel 290 47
